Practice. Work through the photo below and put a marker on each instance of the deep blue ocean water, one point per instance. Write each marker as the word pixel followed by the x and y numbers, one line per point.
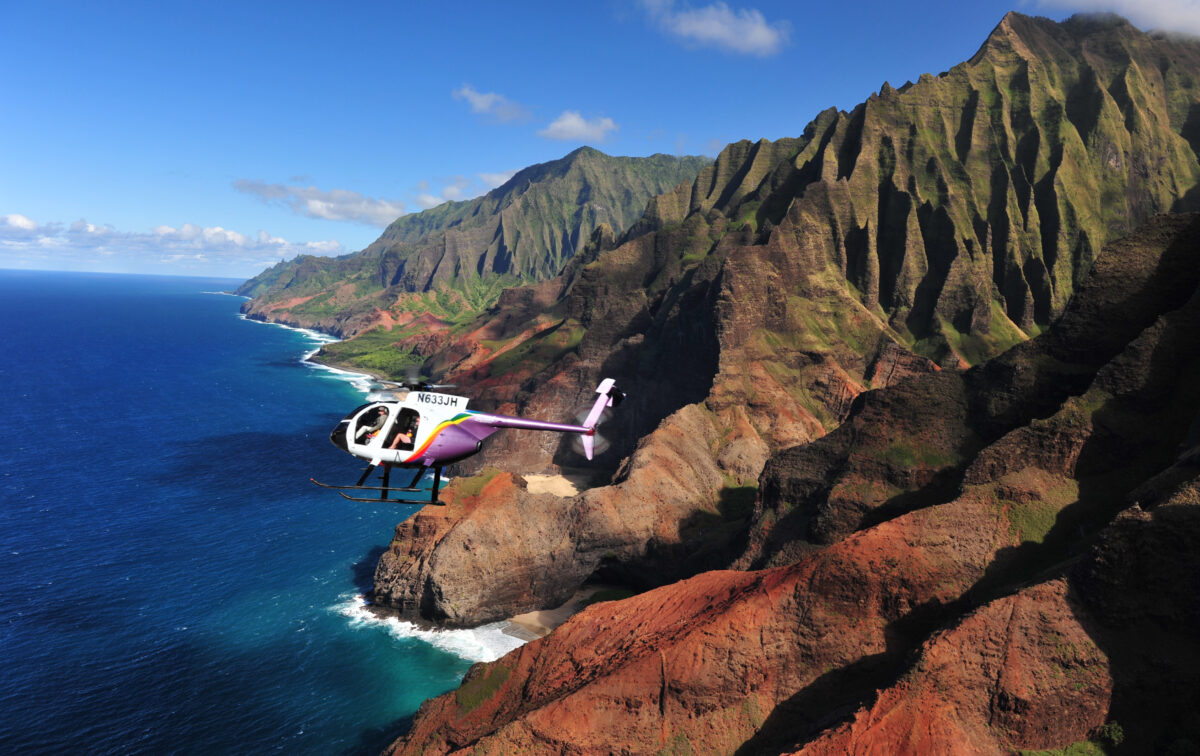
pixel 170 582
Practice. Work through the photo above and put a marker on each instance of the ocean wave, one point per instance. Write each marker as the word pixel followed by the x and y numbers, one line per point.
pixel 315 335
pixel 361 381
pixel 485 643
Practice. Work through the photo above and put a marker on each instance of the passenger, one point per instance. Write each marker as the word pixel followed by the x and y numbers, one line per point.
pixel 405 438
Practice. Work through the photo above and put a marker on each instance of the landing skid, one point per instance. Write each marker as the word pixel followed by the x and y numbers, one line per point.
pixel 363 488
pixel 385 489
pixel 367 500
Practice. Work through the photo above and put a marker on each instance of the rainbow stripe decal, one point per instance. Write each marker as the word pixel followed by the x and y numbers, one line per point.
pixel 442 425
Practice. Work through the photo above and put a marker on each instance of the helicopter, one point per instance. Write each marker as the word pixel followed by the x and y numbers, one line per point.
pixel 417 427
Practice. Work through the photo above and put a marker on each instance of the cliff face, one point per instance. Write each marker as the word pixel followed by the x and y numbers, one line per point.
pixel 797 330
pixel 468 251
pixel 1050 591
pixel 535 550
pixel 888 458
pixel 910 237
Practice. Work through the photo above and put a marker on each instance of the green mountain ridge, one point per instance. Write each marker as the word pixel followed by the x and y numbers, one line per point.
pixel 525 230
pixel 968 205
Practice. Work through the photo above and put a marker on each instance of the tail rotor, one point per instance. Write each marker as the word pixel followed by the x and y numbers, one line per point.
pixel 589 443
pixel 600 444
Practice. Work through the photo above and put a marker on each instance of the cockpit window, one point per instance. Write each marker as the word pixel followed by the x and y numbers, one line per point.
pixel 369 424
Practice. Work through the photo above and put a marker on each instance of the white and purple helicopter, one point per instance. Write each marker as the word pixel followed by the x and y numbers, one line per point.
pixel 420 428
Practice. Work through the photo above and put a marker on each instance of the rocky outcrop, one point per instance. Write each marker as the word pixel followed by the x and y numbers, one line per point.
pixel 1110 648
pixel 499 550
pixel 1021 671
pixel 1012 613
pixel 888 457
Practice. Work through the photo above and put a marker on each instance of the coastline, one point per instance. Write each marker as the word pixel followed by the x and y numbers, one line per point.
pixel 540 623
pixel 523 627
pixel 360 378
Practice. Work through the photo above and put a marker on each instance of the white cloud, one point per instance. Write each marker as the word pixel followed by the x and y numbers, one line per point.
pixel 493 180
pixel 189 248
pixel 19 222
pixel 571 126
pixel 1162 15
pixel 429 201
pixel 458 188
pixel 744 31
pixel 334 204
pixel 492 104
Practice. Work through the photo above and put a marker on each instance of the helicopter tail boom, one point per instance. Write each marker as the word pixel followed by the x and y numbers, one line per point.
pixel 610 396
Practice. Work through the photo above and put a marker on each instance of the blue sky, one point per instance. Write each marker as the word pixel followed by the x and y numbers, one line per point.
pixel 217 138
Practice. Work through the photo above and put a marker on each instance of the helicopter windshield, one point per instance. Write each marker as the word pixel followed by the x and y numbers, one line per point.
pixel 369 424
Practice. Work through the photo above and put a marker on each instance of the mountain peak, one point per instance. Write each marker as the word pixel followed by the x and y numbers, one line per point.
pixel 526 229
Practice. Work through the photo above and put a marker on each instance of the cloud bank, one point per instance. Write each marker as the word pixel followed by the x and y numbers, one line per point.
pixel 460 188
pixel 571 126
pixel 1162 15
pixel 491 104
pixel 334 204
pixel 743 31
pixel 209 250
pixel 493 180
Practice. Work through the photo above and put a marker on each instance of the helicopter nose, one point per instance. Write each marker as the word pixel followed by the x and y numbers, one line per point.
pixel 340 435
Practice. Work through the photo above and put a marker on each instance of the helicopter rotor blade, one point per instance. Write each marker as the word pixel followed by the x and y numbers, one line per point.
pixel 600 444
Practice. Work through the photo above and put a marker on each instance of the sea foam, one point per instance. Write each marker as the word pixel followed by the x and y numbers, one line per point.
pixel 361 381
pixel 485 643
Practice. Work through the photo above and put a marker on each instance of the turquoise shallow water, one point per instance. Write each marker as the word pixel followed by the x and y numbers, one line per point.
pixel 171 581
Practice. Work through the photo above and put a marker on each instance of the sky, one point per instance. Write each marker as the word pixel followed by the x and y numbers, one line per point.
pixel 217 138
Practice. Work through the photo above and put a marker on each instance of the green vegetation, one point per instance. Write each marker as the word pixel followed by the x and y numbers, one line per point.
pixel 473 486
pixel 1107 737
pixel 828 322
pixel 753 711
pixel 977 346
pixel 524 230
pixel 460 301
pixel 473 693
pixel 1110 734
pixel 376 351
pixel 909 452
pixel 542 349
pixel 1031 519
pixel 678 745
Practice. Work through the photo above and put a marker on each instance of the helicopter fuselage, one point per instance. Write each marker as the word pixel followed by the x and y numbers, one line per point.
pixel 426 428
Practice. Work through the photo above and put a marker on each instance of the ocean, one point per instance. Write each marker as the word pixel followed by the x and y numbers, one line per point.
pixel 170 582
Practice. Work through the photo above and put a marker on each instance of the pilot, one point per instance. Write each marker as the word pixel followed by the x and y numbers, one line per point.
pixel 371 425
